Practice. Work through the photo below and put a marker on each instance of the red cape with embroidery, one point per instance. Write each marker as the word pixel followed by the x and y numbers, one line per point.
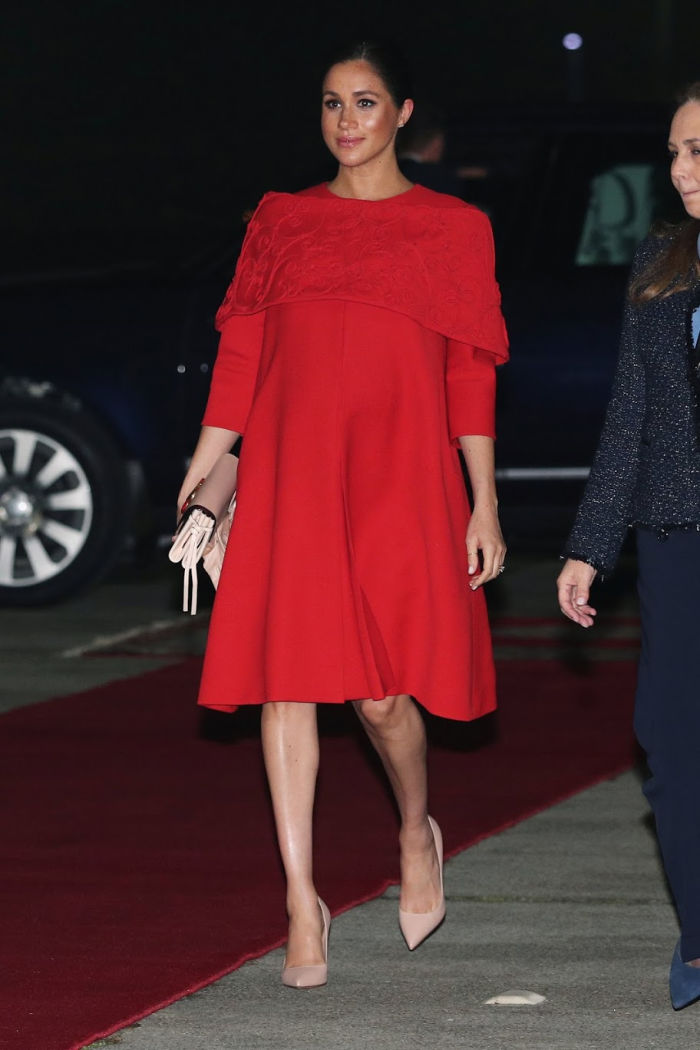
pixel 359 339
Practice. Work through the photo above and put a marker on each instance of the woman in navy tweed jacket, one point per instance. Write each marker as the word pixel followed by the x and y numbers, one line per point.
pixel 646 474
pixel 646 471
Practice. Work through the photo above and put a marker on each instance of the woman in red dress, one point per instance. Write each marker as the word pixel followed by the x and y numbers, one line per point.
pixel 359 341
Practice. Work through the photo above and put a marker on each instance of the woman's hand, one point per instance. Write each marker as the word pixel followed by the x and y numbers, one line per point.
pixel 484 534
pixel 573 588
pixel 213 442
pixel 186 495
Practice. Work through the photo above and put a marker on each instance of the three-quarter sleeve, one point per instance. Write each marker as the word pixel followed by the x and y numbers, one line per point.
pixel 470 379
pixel 235 372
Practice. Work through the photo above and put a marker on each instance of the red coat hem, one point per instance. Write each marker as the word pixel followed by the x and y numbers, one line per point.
pixel 487 709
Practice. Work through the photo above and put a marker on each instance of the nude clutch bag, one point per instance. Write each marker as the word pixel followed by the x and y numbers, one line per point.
pixel 203 529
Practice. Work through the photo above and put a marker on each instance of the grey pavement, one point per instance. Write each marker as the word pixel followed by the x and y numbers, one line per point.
pixel 570 903
pixel 127 625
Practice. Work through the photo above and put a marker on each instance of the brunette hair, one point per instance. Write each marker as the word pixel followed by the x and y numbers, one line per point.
pixel 676 268
pixel 386 61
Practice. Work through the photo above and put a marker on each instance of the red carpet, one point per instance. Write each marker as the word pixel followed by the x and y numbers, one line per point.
pixel 139 860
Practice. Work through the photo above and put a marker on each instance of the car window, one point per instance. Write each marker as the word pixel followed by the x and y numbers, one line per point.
pixel 566 197
pixel 621 206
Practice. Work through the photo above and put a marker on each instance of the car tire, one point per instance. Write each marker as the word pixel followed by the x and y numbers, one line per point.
pixel 64 502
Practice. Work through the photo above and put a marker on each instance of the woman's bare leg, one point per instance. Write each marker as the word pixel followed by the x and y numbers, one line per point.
pixel 396 730
pixel 290 749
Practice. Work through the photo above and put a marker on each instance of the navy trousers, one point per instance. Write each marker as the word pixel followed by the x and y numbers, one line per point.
pixel 667 712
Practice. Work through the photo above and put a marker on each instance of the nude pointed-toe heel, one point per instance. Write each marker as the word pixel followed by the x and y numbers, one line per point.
pixel 311 976
pixel 416 926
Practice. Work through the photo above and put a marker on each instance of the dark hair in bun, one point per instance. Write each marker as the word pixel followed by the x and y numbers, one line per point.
pixel 385 59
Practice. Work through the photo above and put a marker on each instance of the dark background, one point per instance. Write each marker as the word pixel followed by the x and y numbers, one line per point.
pixel 142 130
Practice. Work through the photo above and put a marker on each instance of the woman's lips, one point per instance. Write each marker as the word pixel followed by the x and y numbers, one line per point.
pixel 347 143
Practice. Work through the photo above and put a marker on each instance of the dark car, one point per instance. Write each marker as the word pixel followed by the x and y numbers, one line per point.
pixel 570 197
pixel 101 394
pixel 104 374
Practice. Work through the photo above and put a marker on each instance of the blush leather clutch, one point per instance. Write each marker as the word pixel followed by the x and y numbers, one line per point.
pixel 203 529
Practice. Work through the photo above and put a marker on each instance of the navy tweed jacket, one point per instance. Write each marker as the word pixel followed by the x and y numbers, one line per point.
pixel 646 471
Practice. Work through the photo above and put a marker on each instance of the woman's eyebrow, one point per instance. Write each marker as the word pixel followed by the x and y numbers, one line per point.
pixel 328 91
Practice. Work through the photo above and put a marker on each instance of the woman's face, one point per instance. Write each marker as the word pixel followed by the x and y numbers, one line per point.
pixel 684 148
pixel 359 118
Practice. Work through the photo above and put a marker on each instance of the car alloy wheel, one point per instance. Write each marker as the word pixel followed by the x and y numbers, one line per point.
pixel 46 508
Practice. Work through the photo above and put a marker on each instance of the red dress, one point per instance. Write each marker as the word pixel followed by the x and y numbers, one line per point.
pixel 358 341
